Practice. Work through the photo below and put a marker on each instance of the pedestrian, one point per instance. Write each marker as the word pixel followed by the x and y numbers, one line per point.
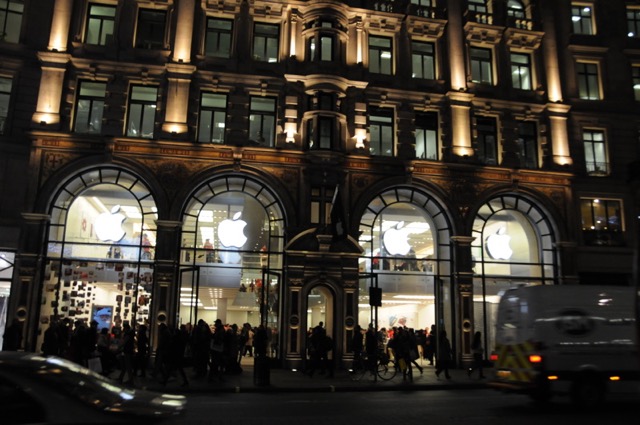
pixel 142 353
pixel 217 367
pixel 430 345
pixel 477 351
pixel 51 344
pixel 127 354
pixel 162 353
pixel 357 345
pixel 200 342
pixel 175 355
pixel 443 355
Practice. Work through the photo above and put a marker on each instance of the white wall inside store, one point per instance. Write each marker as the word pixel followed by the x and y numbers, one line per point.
pixel 418 316
pixel 233 316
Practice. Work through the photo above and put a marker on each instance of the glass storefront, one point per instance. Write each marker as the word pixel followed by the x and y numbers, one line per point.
pixel 232 256
pixel 100 252
pixel 7 261
pixel 513 246
pixel 405 238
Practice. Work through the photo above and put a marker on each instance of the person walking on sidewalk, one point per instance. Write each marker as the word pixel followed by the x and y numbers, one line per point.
pixel 443 355
pixel 477 350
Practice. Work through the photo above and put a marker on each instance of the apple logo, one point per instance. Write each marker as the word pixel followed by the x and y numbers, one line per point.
pixel 395 240
pixel 498 245
pixel 231 232
pixel 108 225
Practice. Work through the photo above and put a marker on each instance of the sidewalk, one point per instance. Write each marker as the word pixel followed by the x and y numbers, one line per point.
pixel 283 380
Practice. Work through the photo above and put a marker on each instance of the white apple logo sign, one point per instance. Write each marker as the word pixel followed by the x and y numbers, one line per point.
pixel 108 225
pixel 395 240
pixel 498 245
pixel 231 232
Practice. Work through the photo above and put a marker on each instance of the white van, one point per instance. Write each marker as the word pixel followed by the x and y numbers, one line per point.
pixel 567 339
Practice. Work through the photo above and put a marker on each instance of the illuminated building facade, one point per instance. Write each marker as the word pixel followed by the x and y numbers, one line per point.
pixel 177 160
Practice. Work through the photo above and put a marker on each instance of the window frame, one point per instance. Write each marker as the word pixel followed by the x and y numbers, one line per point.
pixel 266 37
pixel 516 71
pixel 633 21
pixel 584 79
pixel 528 145
pixel 635 79
pixel 101 19
pixel 605 236
pixel 597 148
pixel 578 17
pixel 9 18
pixel 377 61
pixel 152 43
pixel 384 118
pixel 4 115
pixel 425 122
pixel 481 61
pixel 219 37
pixel 213 122
pixel 261 114
pixel 146 106
pixel 483 142
pixel 91 99
pixel 424 57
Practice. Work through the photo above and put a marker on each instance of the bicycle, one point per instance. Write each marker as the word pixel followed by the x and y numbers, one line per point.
pixel 384 368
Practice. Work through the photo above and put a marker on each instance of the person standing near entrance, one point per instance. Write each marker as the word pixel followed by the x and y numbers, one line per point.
pixel 477 350
pixel 443 355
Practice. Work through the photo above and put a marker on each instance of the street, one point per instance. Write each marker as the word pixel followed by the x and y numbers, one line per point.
pixel 467 407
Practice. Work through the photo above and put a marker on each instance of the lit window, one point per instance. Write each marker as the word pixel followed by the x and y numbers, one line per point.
pixel 151 27
pixel 487 142
pixel 265 42
pixel 527 144
pixel 11 20
pixel 595 152
pixel 588 81
pixel 100 23
pixel 381 131
pixel 633 22
pixel 582 19
pixel 321 48
pixel 218 38
pixel 213 113
pixel 478 11
pixel 423 59
pixel 427 136
pixel 481 67
pixel 380 55
pixel 90 107
pixel 5 97
pixel 262 121
pixel 635 74
pixel 521 71
pixel 142 111
pixel 602 222
pixel 515 9
pixel 320 132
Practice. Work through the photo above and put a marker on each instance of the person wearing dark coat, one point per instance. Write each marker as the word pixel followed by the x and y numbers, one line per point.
pixel 443 355
pixel 51 344
pixel 175 359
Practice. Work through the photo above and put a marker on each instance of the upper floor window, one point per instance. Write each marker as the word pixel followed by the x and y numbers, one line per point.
pixel 424 3
pixel 5 97
pixel 595 152
pixel 633 22
pixel 602 222
pixel 487 140
pixel 423 60
pixel 321 132
pixel 142 111
pixel 521 71
pixel 588 81
pixel 427 135
pixel 321 48
pixel 481 65
pixel 90 107
pixel 213 114
pixel 635 75
pixel 381 131
pixel 582 18
pixel 218 38
pixel 150 30
pixel 100 23
pixel 265 42
pixel 262 120
pixel 380 55
pixel 478 11
pixel 515 9
pixel 11 12
pixel 527 144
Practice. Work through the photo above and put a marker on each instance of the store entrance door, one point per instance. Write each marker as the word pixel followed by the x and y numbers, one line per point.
pixel 188 297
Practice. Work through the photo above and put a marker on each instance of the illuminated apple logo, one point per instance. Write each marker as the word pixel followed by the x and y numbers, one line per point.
pixel 395 240
pixel 498 245
pixel 108 225
pixel 231 232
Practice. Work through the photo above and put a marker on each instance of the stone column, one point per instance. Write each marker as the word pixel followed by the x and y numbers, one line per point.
pixel 461 143
pixel 179 78
pixel 558 117
pixel 463 276
pixel 184 31
pixel 59 35
pixel 50 93
pixel 456 46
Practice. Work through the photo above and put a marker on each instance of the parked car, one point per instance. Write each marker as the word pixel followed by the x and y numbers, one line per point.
pixel 52 390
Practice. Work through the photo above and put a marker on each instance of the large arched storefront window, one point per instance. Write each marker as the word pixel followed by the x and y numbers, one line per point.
pixel 513 245
pixel 405 237
pixel 100 250
pixel 232 256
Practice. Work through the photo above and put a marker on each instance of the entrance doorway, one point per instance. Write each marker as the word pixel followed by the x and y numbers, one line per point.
pixel 320 309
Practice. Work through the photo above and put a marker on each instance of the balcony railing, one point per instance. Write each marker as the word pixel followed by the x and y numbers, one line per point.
pixel 598 168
